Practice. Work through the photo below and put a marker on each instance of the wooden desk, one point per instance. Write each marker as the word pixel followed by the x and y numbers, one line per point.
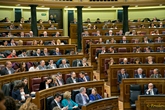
pixel 129 47
pixel 62 48
pixel 42 95
pixel 117 38
pixel 33 74
pixel 27 39
pixel 155 102
pixel 130 69
pixel 17 31
pixel 27 25
pixel 125 87
pixel 102 104
pixel 50 32
pixel 70 58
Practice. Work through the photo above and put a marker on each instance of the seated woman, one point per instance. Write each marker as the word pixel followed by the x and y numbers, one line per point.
pixel 18 92
pixel 9 35
pixel 137 50
pixel 34 67
pixel 150 60
pixel 147 50
pixel 57 34
pixel 12 42
pixel 45 84
pixel 22 20
pixel 137 61
pixel 20 43
pixel 59 42
pixel 111 62
pixel 41 42
pixel 94 95
pixel 68 102
pixel 100 41
pixel 34 43
pixel 22 67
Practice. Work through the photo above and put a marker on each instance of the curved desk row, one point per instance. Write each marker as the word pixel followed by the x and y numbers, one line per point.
pixel 41 96
pixel 103 104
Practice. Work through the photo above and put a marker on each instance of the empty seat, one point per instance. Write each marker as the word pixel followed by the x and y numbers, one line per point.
pixel 48 102
pixel 135 90
pixel 43 78
pixel 35 84
pixel 122 50
pixel 74 93
pixel 89 91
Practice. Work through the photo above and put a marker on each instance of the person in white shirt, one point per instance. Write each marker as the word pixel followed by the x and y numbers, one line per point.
pixel 151 90
pixel 34 67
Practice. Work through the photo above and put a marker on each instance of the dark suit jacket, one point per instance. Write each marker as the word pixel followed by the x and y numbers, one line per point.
pixel 43 86
pixel 54 53
pixel 35 54
pixel 43 54
pixel 121 41
pixel 4 71
pixel 119 77
pixel 62 81
pixel 159 51
pixel 78 63
pixel 82 80
pixel 79 100
pixel 98 52
pixel 54 104
pixel 158 76
pixel 69 80
pixel 137 76
pixel 155 90
pixel 123 63
pixel 16 95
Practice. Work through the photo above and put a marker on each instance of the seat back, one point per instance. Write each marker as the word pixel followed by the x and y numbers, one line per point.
pixel 74 93
pixel 122 50
pixel 48 102
pixel 35 84
pixel 6 88
pixel 89 91
pixel 135 90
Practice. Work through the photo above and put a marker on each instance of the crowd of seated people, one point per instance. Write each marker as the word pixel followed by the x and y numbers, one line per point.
pixel 37 52
pixel 122 74
pixel 65 101
pixel 35 66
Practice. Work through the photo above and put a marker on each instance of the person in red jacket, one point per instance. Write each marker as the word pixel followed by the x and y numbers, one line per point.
pixel 12 55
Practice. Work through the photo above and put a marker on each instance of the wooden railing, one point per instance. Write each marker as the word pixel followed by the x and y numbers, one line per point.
pixel 42 95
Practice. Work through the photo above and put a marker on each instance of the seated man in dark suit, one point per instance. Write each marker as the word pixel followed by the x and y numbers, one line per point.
pixel 97 21
pixel 161 49
pixel 56 102
pixel 159 40
pixel 8 69
pixel 146 40
pixel 64 64
pixel 102 51
pixel 156 74
pixel 139 73
pixel 37 53
pixel 59 79
pixel 45 52
pixel 151 90
pixel 83 77
pixel 112 50
pixel 57 52
pixel 122 75
pixel 97 33
pixel 72 78
pixel 125 61
pixel 124 40
pixel 78 63
pixel 82 98
pixel 110 33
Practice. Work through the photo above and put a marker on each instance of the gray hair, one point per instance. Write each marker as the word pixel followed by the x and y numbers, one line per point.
pixel 82 89
pixel 140 69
